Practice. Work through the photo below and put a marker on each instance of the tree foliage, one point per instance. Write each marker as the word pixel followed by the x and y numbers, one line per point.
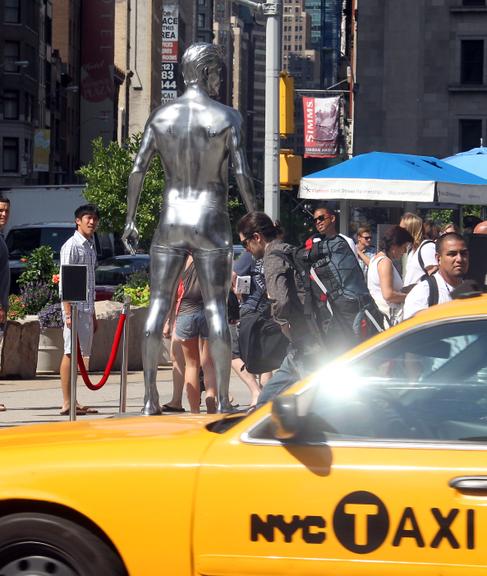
pixel 106 179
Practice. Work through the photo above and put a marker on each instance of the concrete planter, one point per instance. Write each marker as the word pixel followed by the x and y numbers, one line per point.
pixel 51 348
pixel 20 342
pixel 108 313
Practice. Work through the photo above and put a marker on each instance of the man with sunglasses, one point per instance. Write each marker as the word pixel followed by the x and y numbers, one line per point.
pixel 325 221
pixel 365 249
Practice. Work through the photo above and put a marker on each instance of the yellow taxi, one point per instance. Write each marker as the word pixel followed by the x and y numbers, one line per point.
pixel 375 465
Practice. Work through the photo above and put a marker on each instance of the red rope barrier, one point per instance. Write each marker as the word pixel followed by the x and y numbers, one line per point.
pixel 111 360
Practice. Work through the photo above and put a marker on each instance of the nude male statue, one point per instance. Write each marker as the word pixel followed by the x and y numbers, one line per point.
pixel 194 136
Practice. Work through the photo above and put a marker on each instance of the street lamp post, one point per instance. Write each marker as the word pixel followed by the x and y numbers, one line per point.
pixel 272 11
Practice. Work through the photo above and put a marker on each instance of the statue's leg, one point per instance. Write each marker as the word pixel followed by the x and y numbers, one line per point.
pixel 214 268
pixel 166 265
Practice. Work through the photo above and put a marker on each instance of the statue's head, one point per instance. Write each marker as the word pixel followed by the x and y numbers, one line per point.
pixel 201 64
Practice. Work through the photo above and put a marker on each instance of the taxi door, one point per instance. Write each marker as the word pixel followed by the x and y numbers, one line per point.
pixel 398 484
pixel 265 509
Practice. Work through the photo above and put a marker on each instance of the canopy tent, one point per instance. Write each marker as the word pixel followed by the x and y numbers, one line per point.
pixel 474 161
pixel 395 177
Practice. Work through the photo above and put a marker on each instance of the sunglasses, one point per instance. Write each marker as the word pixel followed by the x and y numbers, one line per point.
pixel 245 241
pixel 367 237
pixel 321 218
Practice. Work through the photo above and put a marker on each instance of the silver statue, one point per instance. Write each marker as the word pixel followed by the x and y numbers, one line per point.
pixel 194 137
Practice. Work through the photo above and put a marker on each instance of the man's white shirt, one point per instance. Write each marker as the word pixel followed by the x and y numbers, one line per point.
pixel 417 299
pixel 80 250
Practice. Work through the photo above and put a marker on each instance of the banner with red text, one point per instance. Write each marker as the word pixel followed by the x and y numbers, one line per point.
pixel 321 123
pixel 169 52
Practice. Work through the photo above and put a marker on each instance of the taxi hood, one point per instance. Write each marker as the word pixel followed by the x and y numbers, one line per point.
pixel 116 429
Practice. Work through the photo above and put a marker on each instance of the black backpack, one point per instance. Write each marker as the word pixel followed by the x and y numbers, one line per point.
pixel 262 343
pixel 433 294
pixel 337 303
pixel 420 258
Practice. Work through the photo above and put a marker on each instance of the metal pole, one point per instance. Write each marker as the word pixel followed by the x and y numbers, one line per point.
pixel 125 356
pixel 272 11
pixel 74 361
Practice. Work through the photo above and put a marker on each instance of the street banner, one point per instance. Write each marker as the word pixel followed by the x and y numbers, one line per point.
pixel 169 52
pixel 97 93
pixel 321 123
pixel 42 148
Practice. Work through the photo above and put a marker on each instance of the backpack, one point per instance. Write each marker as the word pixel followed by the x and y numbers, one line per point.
pixel 337 303
pixel 433 295
pixel 262 343
pixel 420 258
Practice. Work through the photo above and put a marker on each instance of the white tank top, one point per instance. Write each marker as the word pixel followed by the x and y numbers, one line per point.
pixel 373 284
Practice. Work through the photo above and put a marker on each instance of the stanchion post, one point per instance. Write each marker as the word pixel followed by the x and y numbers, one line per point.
pixel 74 289
pixel 74 361
pixel 125 356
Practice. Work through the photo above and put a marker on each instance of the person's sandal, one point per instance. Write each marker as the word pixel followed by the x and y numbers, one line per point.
pixel 80 411
pixel 169 408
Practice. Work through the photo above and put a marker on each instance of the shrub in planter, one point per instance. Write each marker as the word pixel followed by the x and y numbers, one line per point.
pixel 39 280
pixel 36 295
pixel 51 316
pixel 137 288
pixel 16 308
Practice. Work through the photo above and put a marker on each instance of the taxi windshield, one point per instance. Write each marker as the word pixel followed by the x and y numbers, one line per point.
pixel 429 384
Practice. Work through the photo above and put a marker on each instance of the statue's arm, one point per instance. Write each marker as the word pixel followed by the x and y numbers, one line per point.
pixel 136 179
pixel 240 166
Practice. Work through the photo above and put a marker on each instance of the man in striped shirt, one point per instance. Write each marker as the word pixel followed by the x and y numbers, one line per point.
pixel 80 249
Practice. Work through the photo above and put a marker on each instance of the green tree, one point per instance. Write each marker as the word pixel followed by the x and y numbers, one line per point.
pixel 106 179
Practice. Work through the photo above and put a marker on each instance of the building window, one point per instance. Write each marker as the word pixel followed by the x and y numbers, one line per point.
pixel 472 62
pixel 28 105
pixel 201 20
pixel 470 133
pixel 11 105
pixel 11 14
pixel 10 155
pixel 11 54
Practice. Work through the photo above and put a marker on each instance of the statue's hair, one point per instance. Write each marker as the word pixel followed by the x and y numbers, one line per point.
pixel 198 57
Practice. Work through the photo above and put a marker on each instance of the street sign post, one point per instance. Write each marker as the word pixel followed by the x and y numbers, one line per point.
pixel 74 289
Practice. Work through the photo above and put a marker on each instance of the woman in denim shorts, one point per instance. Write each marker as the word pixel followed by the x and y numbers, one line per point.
pixel 192 331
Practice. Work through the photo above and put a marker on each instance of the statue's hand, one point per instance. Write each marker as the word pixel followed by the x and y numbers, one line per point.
pixel 130 237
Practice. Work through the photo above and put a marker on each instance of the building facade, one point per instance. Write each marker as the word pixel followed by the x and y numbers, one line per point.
pixel 137 54
pixel 19 89
pixel 421 68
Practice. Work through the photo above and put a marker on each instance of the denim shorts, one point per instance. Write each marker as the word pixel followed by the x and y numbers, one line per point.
pixel 189 326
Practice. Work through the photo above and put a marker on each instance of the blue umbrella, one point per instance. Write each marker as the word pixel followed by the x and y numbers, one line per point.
pixel 474 161
pixel 396 177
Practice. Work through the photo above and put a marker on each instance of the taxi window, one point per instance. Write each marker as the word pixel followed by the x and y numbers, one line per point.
pixel 427 385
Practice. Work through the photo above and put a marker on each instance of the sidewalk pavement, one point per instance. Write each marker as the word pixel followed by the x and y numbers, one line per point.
pixel 39 400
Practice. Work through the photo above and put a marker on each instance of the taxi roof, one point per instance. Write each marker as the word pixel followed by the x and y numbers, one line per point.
pixel 473 306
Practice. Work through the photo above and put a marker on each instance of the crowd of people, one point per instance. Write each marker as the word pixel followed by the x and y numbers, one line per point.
pixel 416 264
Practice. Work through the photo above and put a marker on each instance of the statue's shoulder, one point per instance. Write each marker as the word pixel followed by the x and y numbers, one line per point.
pixel 163 112
pixel 231 115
